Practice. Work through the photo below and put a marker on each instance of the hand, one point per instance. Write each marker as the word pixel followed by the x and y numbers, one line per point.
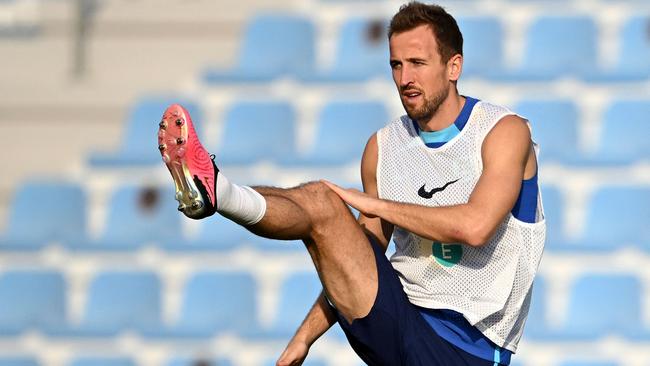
pixel 355 198
pixel 294 354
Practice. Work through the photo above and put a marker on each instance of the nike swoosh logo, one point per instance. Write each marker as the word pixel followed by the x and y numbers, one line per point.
pixel 428 194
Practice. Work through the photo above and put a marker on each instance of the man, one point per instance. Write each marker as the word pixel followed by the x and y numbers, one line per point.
pixel 454 183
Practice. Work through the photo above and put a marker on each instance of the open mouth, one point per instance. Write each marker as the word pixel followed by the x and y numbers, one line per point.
pixel 411 95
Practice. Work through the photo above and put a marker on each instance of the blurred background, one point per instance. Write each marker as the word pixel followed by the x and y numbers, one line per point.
pixel 97 268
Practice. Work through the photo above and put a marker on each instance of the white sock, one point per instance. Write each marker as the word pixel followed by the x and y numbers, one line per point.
pixel 241 204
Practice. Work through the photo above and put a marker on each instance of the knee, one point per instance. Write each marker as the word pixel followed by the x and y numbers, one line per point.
pixel 324 204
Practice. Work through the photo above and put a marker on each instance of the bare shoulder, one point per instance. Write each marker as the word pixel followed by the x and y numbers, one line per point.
pixel 369 162
pixel 511 131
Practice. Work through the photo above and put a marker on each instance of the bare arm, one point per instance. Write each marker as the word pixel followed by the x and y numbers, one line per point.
pixel 506 156
pixel 377 227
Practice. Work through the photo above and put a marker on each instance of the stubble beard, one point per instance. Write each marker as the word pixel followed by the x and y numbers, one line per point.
pixel 430 107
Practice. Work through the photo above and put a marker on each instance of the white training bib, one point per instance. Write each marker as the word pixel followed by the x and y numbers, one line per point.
pixel 490 285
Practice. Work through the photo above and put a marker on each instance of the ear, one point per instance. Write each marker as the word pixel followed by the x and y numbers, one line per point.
pixel 455 67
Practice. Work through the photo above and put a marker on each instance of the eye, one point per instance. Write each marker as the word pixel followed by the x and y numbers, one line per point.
pixel 395 64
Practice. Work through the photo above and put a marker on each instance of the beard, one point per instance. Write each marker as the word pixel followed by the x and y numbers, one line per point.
pixel 429 108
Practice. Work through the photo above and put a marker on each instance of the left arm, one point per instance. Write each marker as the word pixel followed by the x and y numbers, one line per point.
pixel 505 153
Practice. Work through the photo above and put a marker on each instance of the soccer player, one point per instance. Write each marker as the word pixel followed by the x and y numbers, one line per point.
pixel 454 183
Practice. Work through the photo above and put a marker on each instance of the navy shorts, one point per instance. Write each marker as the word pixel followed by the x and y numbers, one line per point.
pixel 394 333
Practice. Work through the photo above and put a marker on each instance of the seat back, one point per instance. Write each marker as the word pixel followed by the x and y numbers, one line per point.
pixel 32 299
pixel 119 300
pixel 257 131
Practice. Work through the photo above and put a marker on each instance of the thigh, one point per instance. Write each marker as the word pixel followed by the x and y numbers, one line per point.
pixel 340 250
pixel 394 332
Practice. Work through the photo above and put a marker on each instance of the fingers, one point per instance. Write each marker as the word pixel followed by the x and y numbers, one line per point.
pixel 332 186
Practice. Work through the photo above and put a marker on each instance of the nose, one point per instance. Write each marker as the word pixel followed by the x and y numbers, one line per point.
pixel 405 76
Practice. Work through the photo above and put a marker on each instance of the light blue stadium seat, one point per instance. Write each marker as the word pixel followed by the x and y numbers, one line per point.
pixel 625 131
pixel 118 301
pixel 631 64
pixel 554 208
pixel 343 129
pixel 216 302
pixel 482 45
pixel 361 53
pixel 18 361
pixel 274 45
pixel 31 299
pixel 123 300
pixel 103 361
pixel 618 216
pixel 554 125
pixel 44 212
pixel 537 323
pixel 139 144
pixel 257 131
pixel 297 295
pixel 635 47
pixel 601 305
pixel 217 234
pixel 129 225
pixel 550 54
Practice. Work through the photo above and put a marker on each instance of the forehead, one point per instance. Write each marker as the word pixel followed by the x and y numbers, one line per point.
pixel 418 40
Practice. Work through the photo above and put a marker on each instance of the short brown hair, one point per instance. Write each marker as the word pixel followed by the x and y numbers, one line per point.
pixel 443 25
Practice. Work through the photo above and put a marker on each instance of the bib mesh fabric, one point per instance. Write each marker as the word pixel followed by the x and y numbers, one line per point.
pixel 489 285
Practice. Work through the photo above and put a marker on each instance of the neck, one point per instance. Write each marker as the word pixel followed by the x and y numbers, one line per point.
pixel 446 113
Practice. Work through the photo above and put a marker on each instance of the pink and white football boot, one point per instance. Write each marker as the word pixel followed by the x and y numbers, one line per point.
pixel 192 168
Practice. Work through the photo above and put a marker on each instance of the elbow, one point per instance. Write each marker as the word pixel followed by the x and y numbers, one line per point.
pixel 478 233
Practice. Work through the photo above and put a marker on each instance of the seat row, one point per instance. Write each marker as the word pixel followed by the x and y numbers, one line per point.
pixel 138 216
pixel 288 45
pixel 255 131
pixel 213 302
pixel 220 302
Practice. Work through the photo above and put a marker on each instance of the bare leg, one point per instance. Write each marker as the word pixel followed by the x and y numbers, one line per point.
pixel 338 246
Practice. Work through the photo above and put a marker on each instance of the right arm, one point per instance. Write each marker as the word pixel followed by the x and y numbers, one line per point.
pixel 321 317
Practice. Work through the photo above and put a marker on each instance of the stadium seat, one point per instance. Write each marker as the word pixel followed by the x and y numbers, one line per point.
pixel 118 301
pixel 343 129
pixel 554 212
pixel 631 62
pixel 44 212
pixel 537 326
pixel 635 47
pixel 618 216
pixel 361 54
pixel 482 45
pixel 554 125
pixel 257 131
pixel 625 131
pixel 18 361
pixel 31 299
pixel 216 302
pixel 218 234
pixel 549 54
pixel 138 145
pixel 592 298
pixel 296 297
pixel 274 45
pixel 139 215
pixel 102 361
